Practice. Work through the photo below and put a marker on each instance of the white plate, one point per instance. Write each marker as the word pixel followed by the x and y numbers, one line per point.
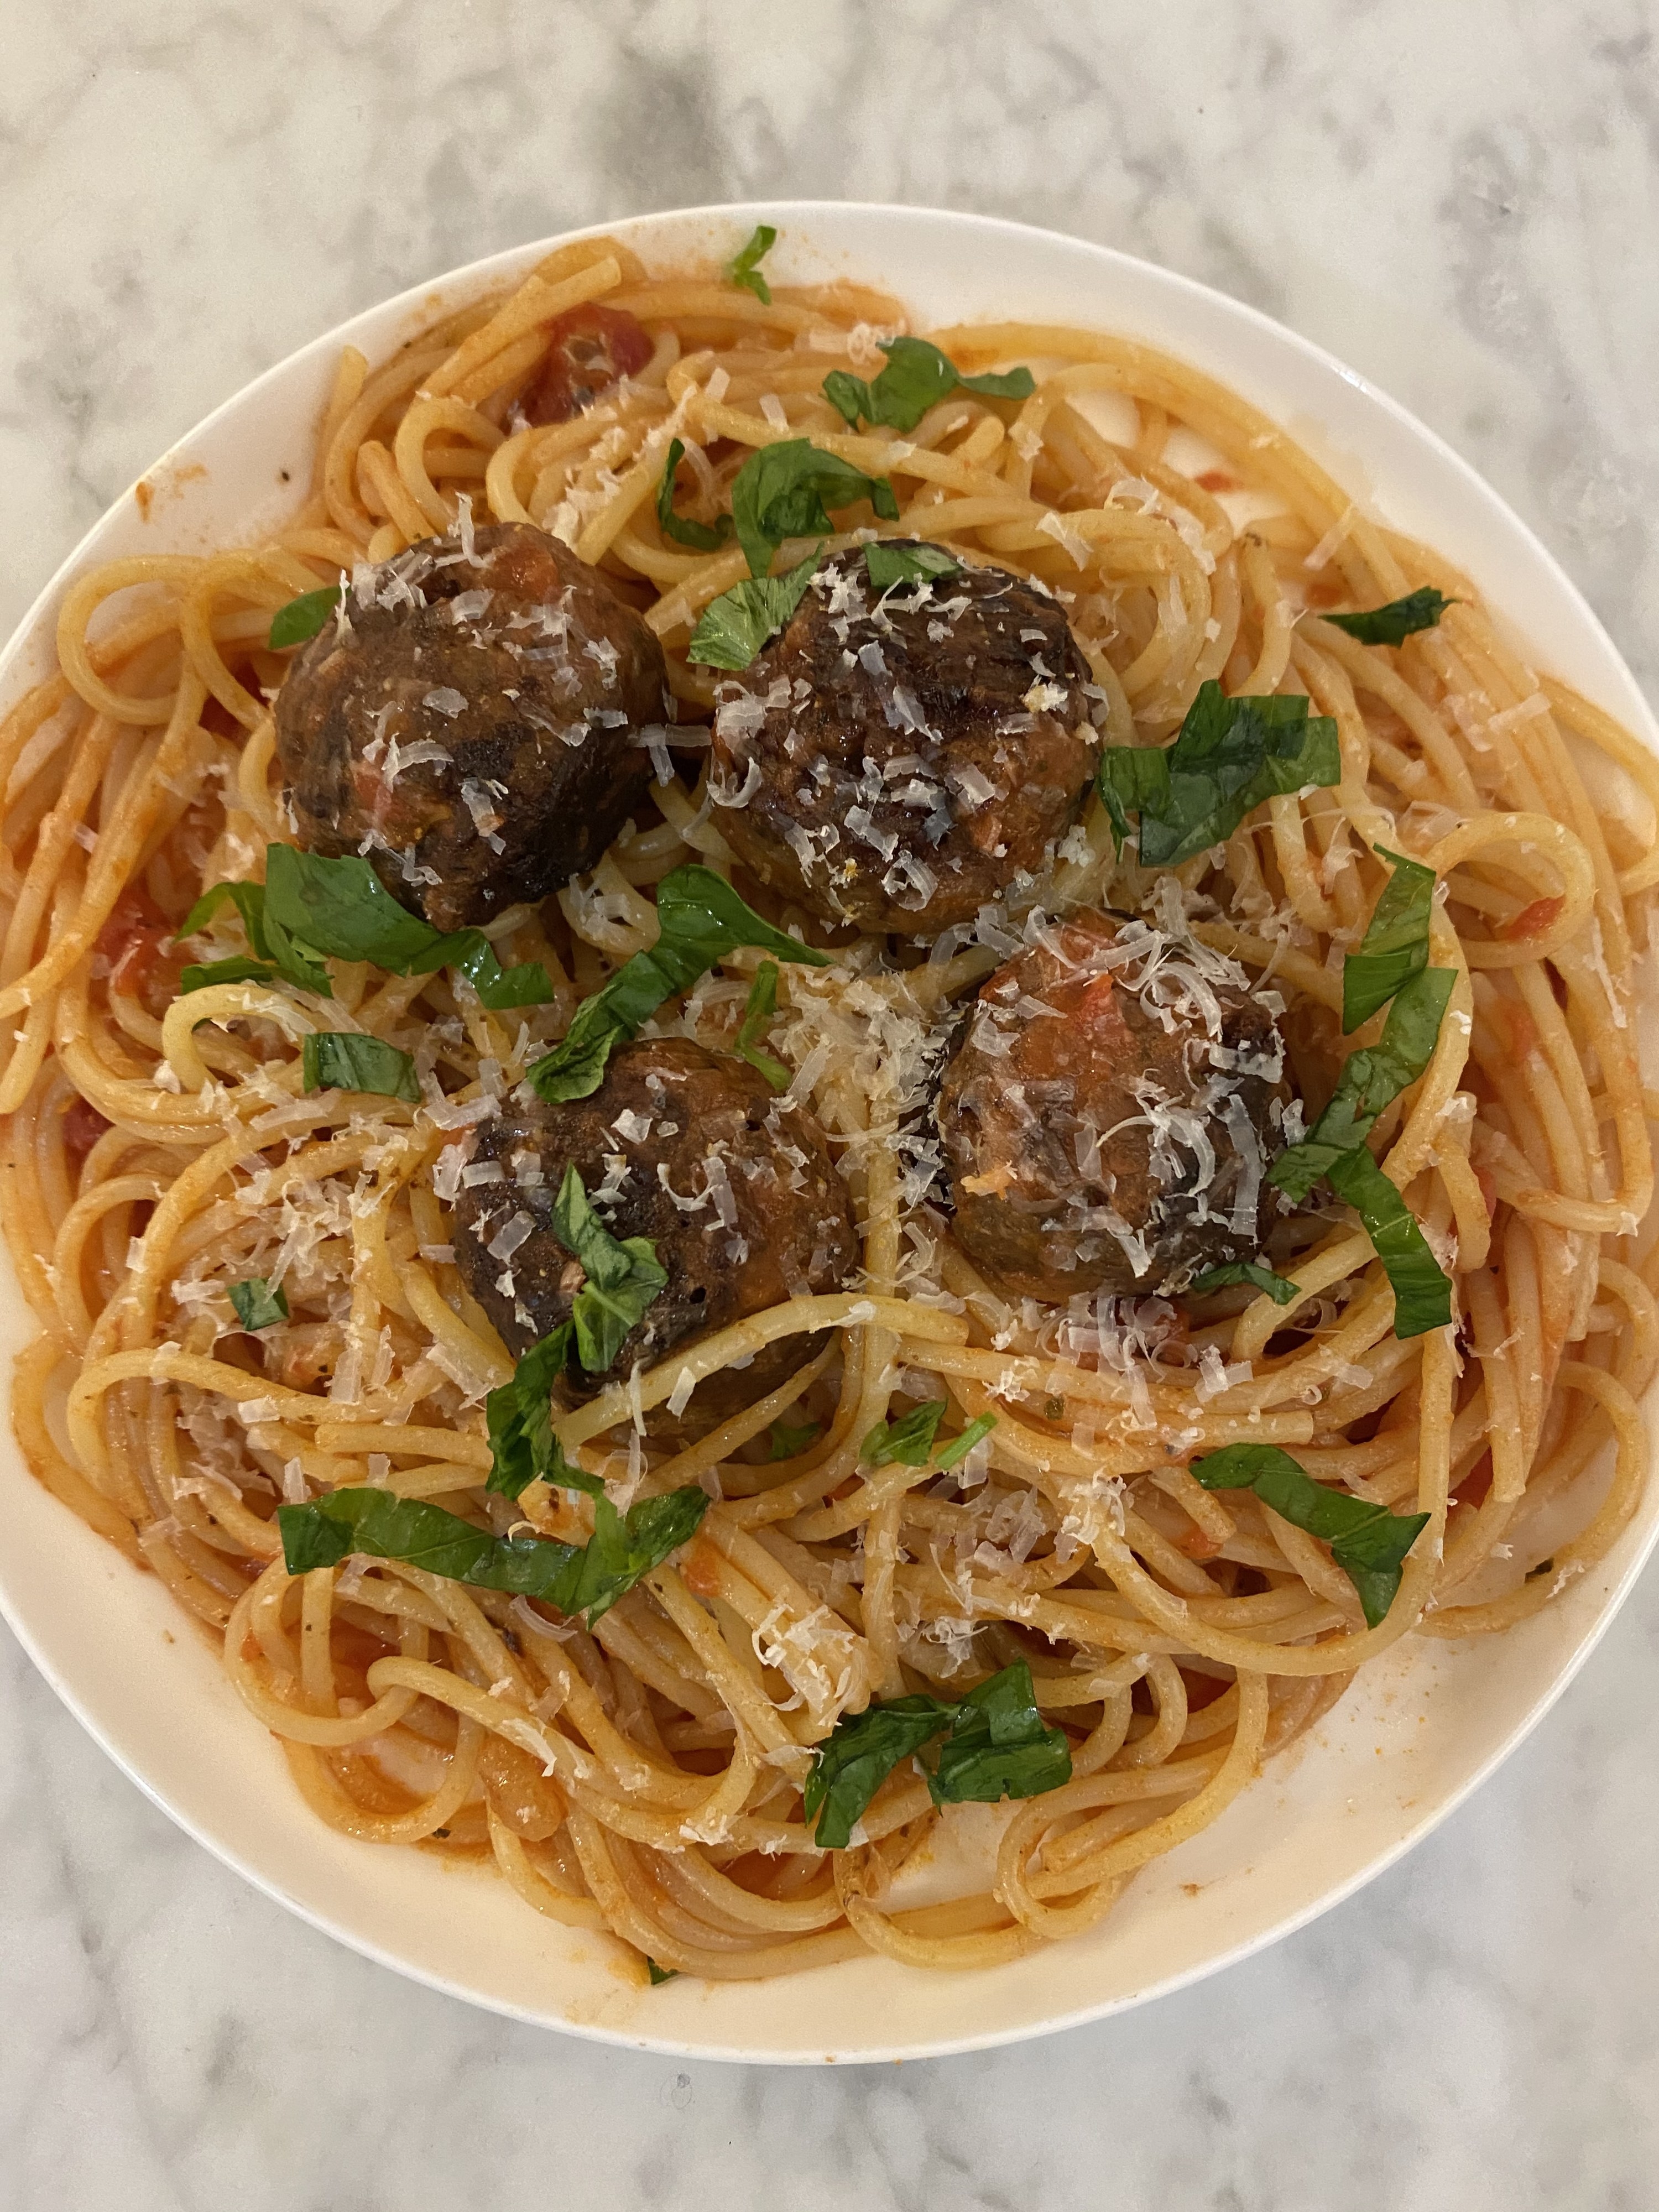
pixel 1412 1738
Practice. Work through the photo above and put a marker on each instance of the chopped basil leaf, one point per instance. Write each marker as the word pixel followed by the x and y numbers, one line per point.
pixel 1389 964
pixel 257 1306
pixel 303 617
pixel 756 1017
pixel 270 939
pixel 343 1060
pixel 1229 756
pixel 917 377
pixel 1394 624
pixel 624 1278
pixel 853 1761
pixel 704 537
pixel 899 561
pixel 1396 945
pixel 241 971
pixel 661 1974
pixel 786 1441
pixel 733 627
pixel 518 1419
pixel 249 901
pixel 787 491
pixel 909 1440
pixel 999 1746
pixel 702 920
pixel 1367 1541
pixel 1544 1567
pixel 957 1450
pixel 1279 1288
pixel 584 1579
pixel 743 270
pixel 342 909
pixel 310 908
pixel 1372 1079
pixel 1422 1292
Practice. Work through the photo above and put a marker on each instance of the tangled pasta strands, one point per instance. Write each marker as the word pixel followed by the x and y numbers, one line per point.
pixel 645 1779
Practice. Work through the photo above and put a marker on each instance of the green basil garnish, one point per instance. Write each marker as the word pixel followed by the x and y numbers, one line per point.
pixel 1390 963
pixel 786 1441
pixel 733 627
pixel 1279 1288
pixel 744 270
pixel 257 1306
pixel 998 1746
pixel 1422 1291
pixel 303 617
pixel 342 909
pixel 205 977
pixel 1396 945
pixel 624 1278
pixel 958 1447
pixel 1229 756
pixel 309 908
pixel 578 1579
pixel 702 919
pixel 853 1761
pixel 518 1420
pixel 758 1015
pixel 897 560
pixel 1394 624
pixel 910 1441
pixel 1372 1079
pixel 787 491
pixel 702 536
pixel 917 377
pixel 343 1059
pixel 661 1974
pixel 1367 1541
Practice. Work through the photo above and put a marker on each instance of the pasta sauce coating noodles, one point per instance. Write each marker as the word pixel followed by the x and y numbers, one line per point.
pixel 971 1535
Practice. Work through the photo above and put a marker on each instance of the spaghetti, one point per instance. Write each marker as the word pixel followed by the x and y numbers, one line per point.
pixel 647 1778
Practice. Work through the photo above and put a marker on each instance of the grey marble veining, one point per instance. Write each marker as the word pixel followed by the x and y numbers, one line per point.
pixel 1461 200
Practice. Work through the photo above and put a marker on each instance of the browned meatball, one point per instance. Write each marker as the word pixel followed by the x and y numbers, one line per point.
pixel 473 730
pixel 896 760
pixel 734 1187
pixel 1108 1116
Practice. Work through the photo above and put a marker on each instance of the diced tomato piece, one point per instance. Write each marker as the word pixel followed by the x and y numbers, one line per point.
pixel 1202 1690
pixel 588 351
pixel 1533 920
pixel 309 1351
pixel 135 940
pixel 84 1125
pixel 1477 1482
pixel 1519 1030
pixel 1198 1544
pixel 1216 480
pixel 701 1570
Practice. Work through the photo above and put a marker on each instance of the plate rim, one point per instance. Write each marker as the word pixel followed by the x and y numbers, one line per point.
pixel 475 275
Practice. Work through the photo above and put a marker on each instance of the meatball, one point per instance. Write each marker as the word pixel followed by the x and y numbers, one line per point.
pixel 472 726
pixel 896 760
pixel 734 1187
pixel 1109 1112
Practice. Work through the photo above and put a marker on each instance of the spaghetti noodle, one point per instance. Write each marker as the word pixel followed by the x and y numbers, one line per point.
pixel 646 1778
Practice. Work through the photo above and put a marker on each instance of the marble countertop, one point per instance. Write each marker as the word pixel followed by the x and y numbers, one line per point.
pixel 1460 200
